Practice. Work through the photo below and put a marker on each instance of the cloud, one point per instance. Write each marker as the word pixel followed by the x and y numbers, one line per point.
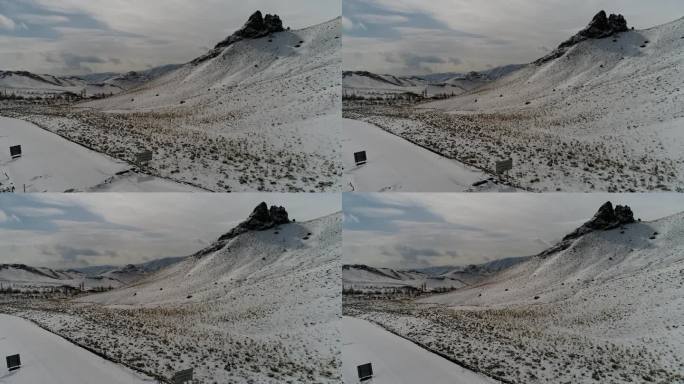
pixel 383 19
pixel 79 63
pixel 6 23
pixel 463 229
pixel 80 256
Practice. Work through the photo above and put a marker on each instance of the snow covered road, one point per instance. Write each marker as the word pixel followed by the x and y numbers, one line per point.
pixel 395 164
pixel 48 358
pixel 51 163
pixel 396 360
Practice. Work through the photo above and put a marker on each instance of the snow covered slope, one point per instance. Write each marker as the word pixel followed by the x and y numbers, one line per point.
pixel 258 114
pixel 396 360
pixel 395 164
pixel 50 163
pixel 266 301
pixel 48 358
pixel 603 115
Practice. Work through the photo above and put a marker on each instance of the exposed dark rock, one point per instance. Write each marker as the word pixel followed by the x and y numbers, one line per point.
pixel 256 26
pixel 601 26
pixel 261 219
pixel 606 218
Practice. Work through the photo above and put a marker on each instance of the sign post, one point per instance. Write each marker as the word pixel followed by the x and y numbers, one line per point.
pixel 143 157
pixel 13 362
pixel 360 158
pixel 182 377
pixel 15 151
pixel 365 371
pixel 504 166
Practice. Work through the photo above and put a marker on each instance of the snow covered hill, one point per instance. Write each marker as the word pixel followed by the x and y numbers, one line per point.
pixel 367 84
pixel 601 114
pixel 613 103
pixel 25 278
pixel 260 113
pixel 366 278
pixel 27 84
pixel 259 305
pixel 31 85
pixel 605 304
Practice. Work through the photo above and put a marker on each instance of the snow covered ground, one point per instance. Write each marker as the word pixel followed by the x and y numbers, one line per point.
pixel 46 357
pixel 50 163
pixel 262 115
pixel 396 360
pixel 607 309
pixel 397 165
pixel 260 308
pixel 602 117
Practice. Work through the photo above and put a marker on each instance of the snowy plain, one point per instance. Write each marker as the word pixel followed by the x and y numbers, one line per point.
pixel 46 357
pixel 397 165
pixel 50 163
pixel 396 360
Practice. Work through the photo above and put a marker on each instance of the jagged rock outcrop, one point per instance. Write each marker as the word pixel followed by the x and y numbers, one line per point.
pixel 606 218
pixel 261 219
pixel 601 26
pixel 256 26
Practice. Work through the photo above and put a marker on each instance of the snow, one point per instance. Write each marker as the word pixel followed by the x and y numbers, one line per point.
pixel 263 115
pixel 50 163
pixel 602 117
pixel 263 308
pixel 46 357
pixel 396 360
pixel 397 165
pixel 363 278
pixel 608 308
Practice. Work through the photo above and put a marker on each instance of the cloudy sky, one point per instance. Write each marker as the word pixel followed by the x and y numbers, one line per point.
pixel 421 230
pixel 65 230
pixel 84 36
pixel 418 37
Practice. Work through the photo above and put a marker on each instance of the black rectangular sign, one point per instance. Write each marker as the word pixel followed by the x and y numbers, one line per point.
pixel 144 157
pixel 360 157
pixel 182 377
pixel 365 371
pixel 13 362
pixel 15 151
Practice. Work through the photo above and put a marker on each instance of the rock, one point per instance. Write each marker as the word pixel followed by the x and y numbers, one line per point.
pixel 605 218
pixel 262 218
pixel 256 26
pixel 601 26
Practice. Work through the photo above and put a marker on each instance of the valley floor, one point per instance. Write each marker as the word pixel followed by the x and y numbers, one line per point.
pixel 395 164
pixel 396 360
pixel 46 357
pixel 50 163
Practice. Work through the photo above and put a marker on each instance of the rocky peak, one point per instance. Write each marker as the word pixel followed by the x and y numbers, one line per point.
pixel 261 219
pixel 605 218
pixel 256 26
pixel 601 26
